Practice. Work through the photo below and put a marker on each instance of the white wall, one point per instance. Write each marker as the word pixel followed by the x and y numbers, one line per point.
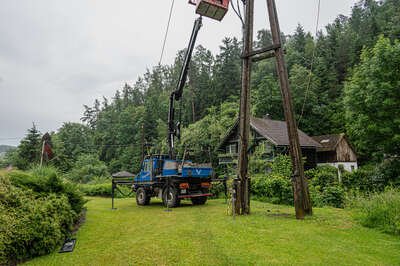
pixel 348 166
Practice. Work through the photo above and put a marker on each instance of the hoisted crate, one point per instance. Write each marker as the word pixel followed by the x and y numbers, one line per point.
pixel 215 9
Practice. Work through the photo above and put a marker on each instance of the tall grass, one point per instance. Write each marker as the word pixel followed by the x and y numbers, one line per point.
pixel 381 211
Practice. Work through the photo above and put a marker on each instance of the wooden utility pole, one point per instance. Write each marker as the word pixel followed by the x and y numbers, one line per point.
pixel 302 202
pixel 300 189
pixel 242 205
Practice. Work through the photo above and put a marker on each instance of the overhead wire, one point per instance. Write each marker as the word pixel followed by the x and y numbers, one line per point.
pixel 10 138
pixel 166 32
pixel 311 63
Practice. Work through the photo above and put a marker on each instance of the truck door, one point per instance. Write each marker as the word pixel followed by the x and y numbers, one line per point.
pixel 145 173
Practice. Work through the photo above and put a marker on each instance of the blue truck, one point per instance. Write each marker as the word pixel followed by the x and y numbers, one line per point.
pixel 172 180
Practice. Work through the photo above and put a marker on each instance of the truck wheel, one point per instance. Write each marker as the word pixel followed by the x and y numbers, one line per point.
pixel 170 197
pixel 142 198
pixel 199 200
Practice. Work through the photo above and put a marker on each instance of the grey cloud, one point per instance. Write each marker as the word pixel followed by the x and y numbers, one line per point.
pixel 56 56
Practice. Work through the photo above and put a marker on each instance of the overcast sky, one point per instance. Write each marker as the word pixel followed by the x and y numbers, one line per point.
pixel 56 56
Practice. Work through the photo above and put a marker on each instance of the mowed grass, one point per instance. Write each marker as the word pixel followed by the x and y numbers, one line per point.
pixel 205 235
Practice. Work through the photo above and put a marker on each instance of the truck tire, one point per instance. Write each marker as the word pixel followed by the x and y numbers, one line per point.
pixel 199 200
pixel 142 197
pixel 170 197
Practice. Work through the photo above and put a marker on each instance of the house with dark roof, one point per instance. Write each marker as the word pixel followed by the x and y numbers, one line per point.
pixel 336 150
pixel 271 133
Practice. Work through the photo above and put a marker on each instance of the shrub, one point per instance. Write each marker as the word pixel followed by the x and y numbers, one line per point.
pixel 282 165
pixel 334 196
pixel 374 178
pixel 45 180
pixel 31 223
pixel 259 163
pixel 103 190
pixel 381 211
pixel 363 179
pixel 324 187
pixel 322 176
pixel 87 168
pixel 217 189
pixel 272 188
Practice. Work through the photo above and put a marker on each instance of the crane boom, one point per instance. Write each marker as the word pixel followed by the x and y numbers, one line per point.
pixel 176 95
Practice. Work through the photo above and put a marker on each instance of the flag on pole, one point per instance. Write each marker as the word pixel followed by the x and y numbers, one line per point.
pixel 47 149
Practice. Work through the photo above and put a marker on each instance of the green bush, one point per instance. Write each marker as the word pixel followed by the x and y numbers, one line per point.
pixel 324 187
pixel 363 179
pixel 374 178
pixel 275 186
pixel 333 196
pixel 37 212
pixel 88 168
pixel 218 190
pixel 45 180
pixel 259 163
pixel 282 165
pixel 381 211
pixel 103 190
pixel 322 176
pixel 272 188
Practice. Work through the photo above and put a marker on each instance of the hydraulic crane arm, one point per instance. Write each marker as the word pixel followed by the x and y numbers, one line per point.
pixel 176 95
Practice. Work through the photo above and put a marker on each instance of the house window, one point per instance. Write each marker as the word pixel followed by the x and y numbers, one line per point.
pixel 268 148
pixel 352 168
pixel 232 148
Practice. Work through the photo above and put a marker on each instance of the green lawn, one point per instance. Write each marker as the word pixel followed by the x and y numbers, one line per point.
pixel 205 235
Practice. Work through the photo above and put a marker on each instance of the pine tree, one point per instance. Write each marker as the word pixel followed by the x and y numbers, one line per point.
pixel 29 148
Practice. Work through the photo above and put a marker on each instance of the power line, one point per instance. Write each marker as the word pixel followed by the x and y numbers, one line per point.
pixel 166 32
pixel 10 138
pixel 311 64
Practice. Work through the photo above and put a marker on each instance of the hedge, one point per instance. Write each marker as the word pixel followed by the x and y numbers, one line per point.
pixel 37 212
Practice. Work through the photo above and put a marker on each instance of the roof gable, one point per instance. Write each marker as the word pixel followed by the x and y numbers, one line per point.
pixel 273 130
pixel 276 131
pixel 328 142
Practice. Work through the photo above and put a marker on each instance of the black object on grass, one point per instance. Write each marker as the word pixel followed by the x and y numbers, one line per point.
pixel 68 246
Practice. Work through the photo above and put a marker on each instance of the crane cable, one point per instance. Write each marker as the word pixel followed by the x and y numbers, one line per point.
pixel 237 10
pixel 311 63
pixel 166 32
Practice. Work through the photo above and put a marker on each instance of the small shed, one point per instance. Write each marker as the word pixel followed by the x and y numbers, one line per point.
pixel 123 174
pixel 337 151
pixel 271 133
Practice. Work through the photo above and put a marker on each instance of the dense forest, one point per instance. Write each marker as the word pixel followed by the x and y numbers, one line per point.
pixel 344 79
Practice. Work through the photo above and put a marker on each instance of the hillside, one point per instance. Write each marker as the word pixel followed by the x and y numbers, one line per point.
pixel 5 148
